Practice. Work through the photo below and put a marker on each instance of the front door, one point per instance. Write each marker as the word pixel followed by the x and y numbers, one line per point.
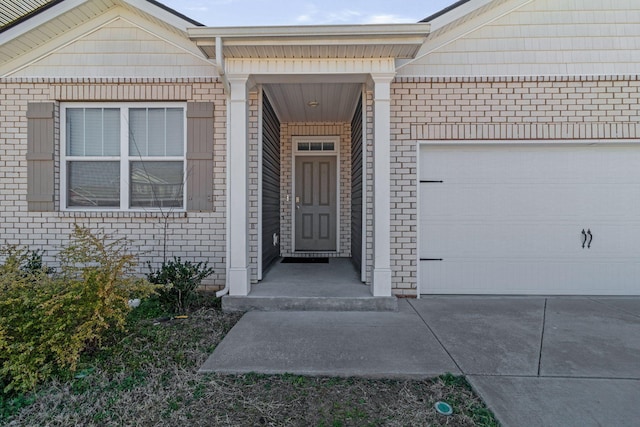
pixel 315 203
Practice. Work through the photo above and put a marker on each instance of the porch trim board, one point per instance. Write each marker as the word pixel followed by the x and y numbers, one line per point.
pixel 239 273
pixel 382 285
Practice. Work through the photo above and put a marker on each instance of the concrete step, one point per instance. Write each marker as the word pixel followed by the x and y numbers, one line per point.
pixel 306 303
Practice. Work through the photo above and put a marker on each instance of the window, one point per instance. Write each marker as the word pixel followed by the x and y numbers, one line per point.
pixel 316 146
pixel 123 156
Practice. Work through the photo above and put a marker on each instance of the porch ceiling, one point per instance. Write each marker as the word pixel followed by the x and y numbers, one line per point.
pixel 335 101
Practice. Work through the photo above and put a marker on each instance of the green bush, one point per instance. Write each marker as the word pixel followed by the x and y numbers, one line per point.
pixel 47 320
pixel 179 282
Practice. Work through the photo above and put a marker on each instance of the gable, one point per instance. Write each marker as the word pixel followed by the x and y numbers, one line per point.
pixel 102 38
pixel 120 48
pixel 536 37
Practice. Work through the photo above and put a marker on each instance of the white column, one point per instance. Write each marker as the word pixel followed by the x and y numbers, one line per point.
pixel 238 221
pixel 381 286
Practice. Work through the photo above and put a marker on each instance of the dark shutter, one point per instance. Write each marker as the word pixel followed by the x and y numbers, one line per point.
pixel 40 162
pixel 356 186
pixel 270 184
pixel 200 129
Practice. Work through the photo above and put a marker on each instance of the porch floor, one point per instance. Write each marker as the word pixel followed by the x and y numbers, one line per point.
pixel 335 286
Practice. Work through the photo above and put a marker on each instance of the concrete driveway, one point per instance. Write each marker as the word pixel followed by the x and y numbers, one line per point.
pixel 534 361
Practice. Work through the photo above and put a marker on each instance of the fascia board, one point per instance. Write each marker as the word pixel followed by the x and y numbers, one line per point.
pixel 159 13
pixel 457 13
pixel 310 31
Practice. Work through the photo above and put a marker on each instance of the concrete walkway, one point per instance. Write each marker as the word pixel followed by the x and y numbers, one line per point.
pixel 534 361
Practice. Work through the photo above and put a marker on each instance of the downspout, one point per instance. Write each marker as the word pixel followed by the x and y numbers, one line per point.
pixel 227 89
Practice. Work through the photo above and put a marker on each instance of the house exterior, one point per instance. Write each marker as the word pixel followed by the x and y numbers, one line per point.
pixel 491 149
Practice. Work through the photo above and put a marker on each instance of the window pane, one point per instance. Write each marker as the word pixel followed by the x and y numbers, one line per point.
pixel 175 131
pixel 93 132
pixel 303 146
pixel 94 184
pixel 111 132
pixel 157 131
pixel 75 132
pixel 316 146
pixel 328 146
pixel 138 132
pixel 157 184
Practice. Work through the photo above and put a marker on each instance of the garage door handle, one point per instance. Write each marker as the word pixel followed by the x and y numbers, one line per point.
pixel 584 240
pixel 590 238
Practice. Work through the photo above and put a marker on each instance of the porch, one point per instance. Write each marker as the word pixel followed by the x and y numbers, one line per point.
pixel 308 158
pixel 331 286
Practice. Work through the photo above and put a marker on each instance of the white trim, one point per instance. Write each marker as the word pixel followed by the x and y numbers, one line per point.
pixel 123 159
pixel 334 33
pixel 382 275
pixel 311 66
pixel 260 166
pixel 238 110
pixel 160 14
pixel 295 153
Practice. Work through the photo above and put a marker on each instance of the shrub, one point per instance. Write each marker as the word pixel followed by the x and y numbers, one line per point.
pixel 47 321
pixel 179 282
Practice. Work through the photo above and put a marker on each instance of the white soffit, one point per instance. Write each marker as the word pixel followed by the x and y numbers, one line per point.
pixel 302 42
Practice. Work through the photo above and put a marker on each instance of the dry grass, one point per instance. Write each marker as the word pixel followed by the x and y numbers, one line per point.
pixel 149 378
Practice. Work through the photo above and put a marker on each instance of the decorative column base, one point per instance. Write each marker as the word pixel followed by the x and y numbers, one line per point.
pixel 239 282
pixel 381 286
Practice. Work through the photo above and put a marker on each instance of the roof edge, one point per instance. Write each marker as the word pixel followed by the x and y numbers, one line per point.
pixel 175 12
pixel 445 10
pixel 316 31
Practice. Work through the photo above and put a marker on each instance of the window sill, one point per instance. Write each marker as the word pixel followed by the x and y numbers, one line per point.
pixel 122 214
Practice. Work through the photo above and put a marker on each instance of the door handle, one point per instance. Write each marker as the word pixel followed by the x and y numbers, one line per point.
pixel 590 238
pixel 584 238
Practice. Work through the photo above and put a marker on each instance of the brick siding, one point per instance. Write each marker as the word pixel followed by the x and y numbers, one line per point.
pixel 502 108
pixel 197 236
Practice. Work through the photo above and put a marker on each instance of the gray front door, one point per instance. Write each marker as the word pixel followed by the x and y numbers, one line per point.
pixel 315 203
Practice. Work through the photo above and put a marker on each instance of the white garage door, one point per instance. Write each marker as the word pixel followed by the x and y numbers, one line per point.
pixel 536 219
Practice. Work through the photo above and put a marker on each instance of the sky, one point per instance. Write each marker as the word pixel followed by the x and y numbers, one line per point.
pixel 229 13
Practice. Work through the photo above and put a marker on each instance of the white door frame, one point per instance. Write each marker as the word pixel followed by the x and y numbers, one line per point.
pixel 296 153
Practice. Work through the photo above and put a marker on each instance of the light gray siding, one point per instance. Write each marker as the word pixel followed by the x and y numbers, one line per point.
pixel 270 184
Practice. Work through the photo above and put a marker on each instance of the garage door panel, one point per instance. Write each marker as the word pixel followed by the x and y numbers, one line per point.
pixel 501 240
pixel 561 201
pixel 509 219
pixel 488 277
pixel 542 164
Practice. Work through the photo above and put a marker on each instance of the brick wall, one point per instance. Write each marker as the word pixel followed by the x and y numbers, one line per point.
pixel 509 108
pixel 287 132
pixel 453 109
pixel 197 236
